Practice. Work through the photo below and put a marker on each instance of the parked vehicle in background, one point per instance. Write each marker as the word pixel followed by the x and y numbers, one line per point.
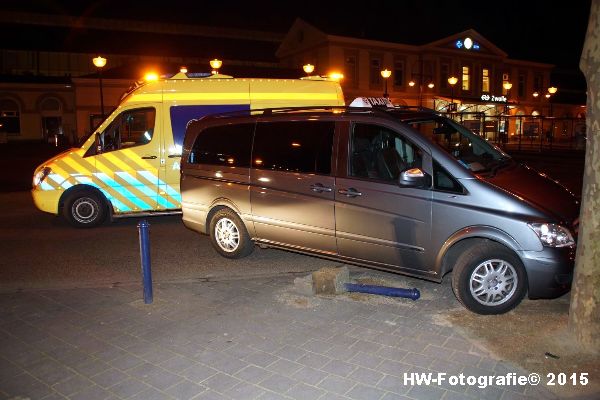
pixel 130 164
pixel 400 189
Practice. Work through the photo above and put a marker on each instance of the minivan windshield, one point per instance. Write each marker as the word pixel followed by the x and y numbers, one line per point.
pixel 471 150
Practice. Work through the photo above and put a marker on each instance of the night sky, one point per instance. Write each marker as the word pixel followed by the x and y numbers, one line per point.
pixel 544 31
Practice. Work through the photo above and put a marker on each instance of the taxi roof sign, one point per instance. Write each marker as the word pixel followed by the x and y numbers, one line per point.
pixel 370 102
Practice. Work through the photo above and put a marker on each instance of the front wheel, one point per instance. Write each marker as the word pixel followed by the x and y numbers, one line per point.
pixel 84 209
pixel 488 278
pixel 229 236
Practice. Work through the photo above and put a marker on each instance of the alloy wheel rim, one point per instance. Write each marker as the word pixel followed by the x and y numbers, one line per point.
pixel 85 210
pixel 493 282
pixel 227 235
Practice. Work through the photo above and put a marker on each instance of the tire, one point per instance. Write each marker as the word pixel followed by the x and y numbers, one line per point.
pixel 85 209
pixel 229 236
pixel 488 278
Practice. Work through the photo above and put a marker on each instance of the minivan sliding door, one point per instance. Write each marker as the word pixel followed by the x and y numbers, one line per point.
pixel 292 186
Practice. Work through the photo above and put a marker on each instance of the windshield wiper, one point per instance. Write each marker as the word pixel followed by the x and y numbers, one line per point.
pixel 499 163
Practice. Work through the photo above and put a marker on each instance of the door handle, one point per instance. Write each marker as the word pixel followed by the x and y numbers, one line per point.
pixel 350 192
pixel 174 155
pixel 149 157
pixel 317 187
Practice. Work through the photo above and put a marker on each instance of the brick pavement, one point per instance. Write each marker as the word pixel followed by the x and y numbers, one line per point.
pixel 236 339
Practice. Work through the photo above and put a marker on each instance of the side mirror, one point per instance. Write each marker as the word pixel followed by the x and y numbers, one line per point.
pixel 413 177
pixel 98 143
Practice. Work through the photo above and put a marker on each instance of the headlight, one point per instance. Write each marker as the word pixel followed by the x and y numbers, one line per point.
pixel 552 235
pixel 40 175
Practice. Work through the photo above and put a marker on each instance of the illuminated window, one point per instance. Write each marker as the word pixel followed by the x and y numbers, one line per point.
pixel 485 80
pixel 466 79
pixel 505 80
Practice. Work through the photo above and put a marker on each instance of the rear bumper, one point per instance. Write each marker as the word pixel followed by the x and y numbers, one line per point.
pixel 549 272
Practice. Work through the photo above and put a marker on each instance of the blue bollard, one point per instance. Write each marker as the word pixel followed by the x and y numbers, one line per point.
pixel 144 231
pixel 384 290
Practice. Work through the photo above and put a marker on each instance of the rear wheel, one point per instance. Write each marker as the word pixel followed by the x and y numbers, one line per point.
pixel 488 278
pixel 84 209
pixel 229 236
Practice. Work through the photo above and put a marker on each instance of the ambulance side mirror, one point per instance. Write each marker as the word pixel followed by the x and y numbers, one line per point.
pixel 98 143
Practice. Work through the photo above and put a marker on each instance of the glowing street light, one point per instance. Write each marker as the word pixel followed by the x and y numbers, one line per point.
pixel 452 81
pixel 386 73
pixel 308 68
pixel 507 86
pixel 215 65
pixel 100 62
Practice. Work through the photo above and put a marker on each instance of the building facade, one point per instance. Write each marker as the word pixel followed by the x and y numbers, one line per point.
pixel 54 92
pixel 501 98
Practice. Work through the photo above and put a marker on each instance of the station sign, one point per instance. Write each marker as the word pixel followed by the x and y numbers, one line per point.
pixel 493 99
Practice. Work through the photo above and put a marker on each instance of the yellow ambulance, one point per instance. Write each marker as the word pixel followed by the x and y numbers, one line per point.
pixel 130 165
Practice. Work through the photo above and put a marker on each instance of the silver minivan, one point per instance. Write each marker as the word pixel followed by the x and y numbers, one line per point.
pixel 398 189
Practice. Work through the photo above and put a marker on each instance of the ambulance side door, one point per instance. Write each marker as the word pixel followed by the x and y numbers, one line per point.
pixel 128 158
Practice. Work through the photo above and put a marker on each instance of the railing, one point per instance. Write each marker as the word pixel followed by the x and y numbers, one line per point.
pixel 526 132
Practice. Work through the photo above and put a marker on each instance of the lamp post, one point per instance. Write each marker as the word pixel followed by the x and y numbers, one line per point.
pixel 100 62
pixel 507 86
pixel 215 65
pixel 421 77
pixel 386 73
pixel 308 69
pixel 551 91
pixel 452 81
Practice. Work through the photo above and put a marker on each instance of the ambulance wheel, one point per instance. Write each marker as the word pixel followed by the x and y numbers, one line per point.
pixel 84 209
pixel 228 234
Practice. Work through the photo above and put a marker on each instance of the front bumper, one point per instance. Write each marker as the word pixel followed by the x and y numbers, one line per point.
pixel 46 200
pixel 549 272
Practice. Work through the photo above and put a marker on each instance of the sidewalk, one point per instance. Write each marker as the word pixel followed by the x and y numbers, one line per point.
pixel 237 339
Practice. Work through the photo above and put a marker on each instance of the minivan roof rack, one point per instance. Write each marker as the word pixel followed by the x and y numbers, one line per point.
pixel 307 109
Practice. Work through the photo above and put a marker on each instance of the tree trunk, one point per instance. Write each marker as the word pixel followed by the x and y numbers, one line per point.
pixel 584 314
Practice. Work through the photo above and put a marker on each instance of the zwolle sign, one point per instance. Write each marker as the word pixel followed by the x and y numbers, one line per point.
pixel 493 99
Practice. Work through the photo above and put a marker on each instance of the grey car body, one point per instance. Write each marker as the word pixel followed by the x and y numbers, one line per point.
pixel 385 195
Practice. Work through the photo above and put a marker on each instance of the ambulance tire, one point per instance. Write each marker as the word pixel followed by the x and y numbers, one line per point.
pixel 228 234
pixel 84 209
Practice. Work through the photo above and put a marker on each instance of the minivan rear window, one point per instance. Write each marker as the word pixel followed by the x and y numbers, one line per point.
pixel 223 145
pixel 295 146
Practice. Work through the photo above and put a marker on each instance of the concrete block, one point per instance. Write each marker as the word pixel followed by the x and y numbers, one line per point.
pixel 304 285
pixel 330 280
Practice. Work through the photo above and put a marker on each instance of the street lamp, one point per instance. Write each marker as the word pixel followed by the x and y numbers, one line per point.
pixel 507 86
pixel 100 62
pixel 452 81
pixel 308 69
pixel 386 73
pixel 551 91
pixel 215 65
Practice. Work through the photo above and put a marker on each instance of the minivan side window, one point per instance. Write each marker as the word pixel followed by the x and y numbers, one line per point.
pixel 129 129
pixel 443 181
pixel 381 153
pixel 295 146
pixel 228 145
